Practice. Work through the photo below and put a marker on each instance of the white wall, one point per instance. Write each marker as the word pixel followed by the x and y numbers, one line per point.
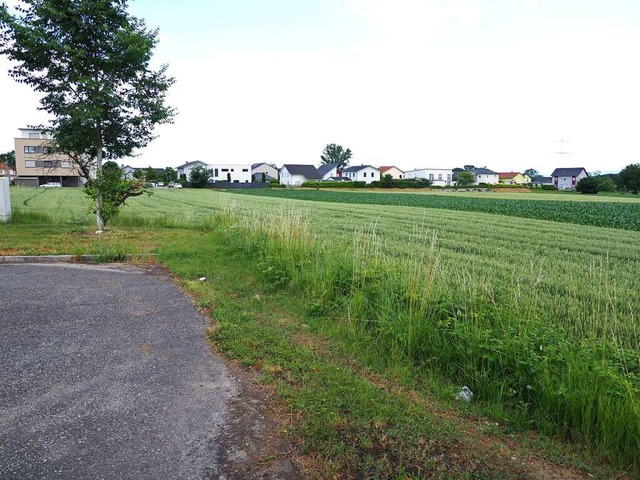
pixel 490 178
pixel 287 179
pixel 267 169
pixel 394 172
pixel 5 200
pixel 331 173
pixel 568 182
pixel 439 177
pixel 240 172
pixel 367 175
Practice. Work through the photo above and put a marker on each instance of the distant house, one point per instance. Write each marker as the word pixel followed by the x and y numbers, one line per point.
pixel 363 173
pixel 258 169
pixel 233 172
pixel 395 172
pixel 540 181
pixel 185 169
pixel 329 170
pixel 127 172
pixel 295 175
pixel 437 176
pixel 484 175
pixel 568 178
pixel 513 178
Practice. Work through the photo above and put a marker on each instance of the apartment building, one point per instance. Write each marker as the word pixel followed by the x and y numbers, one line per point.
pixel 38 163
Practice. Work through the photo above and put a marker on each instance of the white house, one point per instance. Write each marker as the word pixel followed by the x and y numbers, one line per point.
pixel 295 175
pixel 328 170
pixel 484 175
pixel 128 171
pixel 568 178
pixel 363 173
pixel 395 172
pixel 258 169
pixel 186 168
pixel 234 172
pixel 439 177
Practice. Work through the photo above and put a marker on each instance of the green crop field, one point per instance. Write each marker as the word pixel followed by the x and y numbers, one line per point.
pixel 538 316
pixel 625 214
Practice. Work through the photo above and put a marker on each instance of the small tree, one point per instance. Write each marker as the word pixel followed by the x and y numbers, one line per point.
pixel 465 178
pixel 114 189
pixel 169 175
pixel 629 178
pixel 335 154
pixel 388 180
pixel 264 177
pixel 199 177
pixel 9 158
pixel 229 177
pixel 151 174
pixel 90 61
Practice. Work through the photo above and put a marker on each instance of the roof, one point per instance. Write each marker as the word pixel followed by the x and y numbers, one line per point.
pixel 384 169
pixel 256 165
pixel 358 168
pixel 483 171
pixel 307 171
pixel 4 166
pixel 568 172
pixel 195 162
pixel 326 168
pixel 339 179
pixel 508 174
pixel 542 180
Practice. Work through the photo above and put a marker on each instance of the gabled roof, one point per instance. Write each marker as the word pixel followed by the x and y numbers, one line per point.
pixel 358 168
pixel 542 180
pixel 307 171
pixel 384 169
pixel 256 165
pixel 326 168
pixel 188 164
pixel 508 174
pixel 568 172
pixel 483 171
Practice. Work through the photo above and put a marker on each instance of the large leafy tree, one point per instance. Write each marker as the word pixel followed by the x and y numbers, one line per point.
pixel 335 154
pixel 199 176
pixel 629 178
pixel 90 61
pixel 531 173
pixel 8 158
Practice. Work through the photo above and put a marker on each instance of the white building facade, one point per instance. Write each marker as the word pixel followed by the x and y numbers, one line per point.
pixel 230 172
pixel 439 177
pixel 363 173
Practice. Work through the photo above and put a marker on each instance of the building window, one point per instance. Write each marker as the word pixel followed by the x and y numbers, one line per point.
pixel 30 163
pixel 448 177
pixel 225 169
pixel 29 149
pixel 34 135
pixel 439 176
pixel 246 170
pixel 48 150
pixel 215 172
pixel 431 177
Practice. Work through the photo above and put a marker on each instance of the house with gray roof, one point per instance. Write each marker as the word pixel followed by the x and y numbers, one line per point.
pixel 329 170
pixel 568 178
pixel 484 175
pixel 185 168
pixel 362 173
pixel 295 175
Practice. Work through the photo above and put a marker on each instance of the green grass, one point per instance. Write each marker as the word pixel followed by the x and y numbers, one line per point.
pixel 613 214
pixel 539 318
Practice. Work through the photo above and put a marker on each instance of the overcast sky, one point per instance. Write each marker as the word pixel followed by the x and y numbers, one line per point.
pixel 412 83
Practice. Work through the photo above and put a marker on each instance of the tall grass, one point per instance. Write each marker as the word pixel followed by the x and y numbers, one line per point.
pixel 567 369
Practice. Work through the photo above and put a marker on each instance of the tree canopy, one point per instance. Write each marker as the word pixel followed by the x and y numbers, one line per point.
pixel 199 176
pixel 629 178
pixel 90 61
pixel 8 158
pixel 335 154
pixel 465 178
pixel 532 173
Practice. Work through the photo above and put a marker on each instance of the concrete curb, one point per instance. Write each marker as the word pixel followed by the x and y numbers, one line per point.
pixel 70 258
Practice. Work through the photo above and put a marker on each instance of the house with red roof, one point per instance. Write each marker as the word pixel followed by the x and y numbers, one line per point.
pixel 395 172
pixel 513 178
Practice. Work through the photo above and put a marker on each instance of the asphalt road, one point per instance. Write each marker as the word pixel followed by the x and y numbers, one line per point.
pixel 105 372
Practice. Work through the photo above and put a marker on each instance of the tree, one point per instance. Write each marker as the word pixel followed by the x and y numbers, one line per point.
pixel 264 177
pixel 169 175
pixel 113 189
pixel 465 178
pixel 335 154
pixel 90 61
pixel 9 158
pixel 151 174
pixel 587 185
pixel 531 173
pixel 468 168
pixel 629 178
pixel 199 176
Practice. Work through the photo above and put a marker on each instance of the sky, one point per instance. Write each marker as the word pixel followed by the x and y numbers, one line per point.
pixel 502 84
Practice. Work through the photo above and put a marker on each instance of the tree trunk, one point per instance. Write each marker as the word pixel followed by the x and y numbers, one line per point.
pixel 99 219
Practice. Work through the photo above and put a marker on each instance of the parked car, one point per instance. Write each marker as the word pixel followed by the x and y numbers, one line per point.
pixel 51 185
pixel 177 185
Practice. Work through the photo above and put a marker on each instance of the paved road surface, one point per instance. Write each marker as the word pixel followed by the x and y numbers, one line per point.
pixel 105 372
